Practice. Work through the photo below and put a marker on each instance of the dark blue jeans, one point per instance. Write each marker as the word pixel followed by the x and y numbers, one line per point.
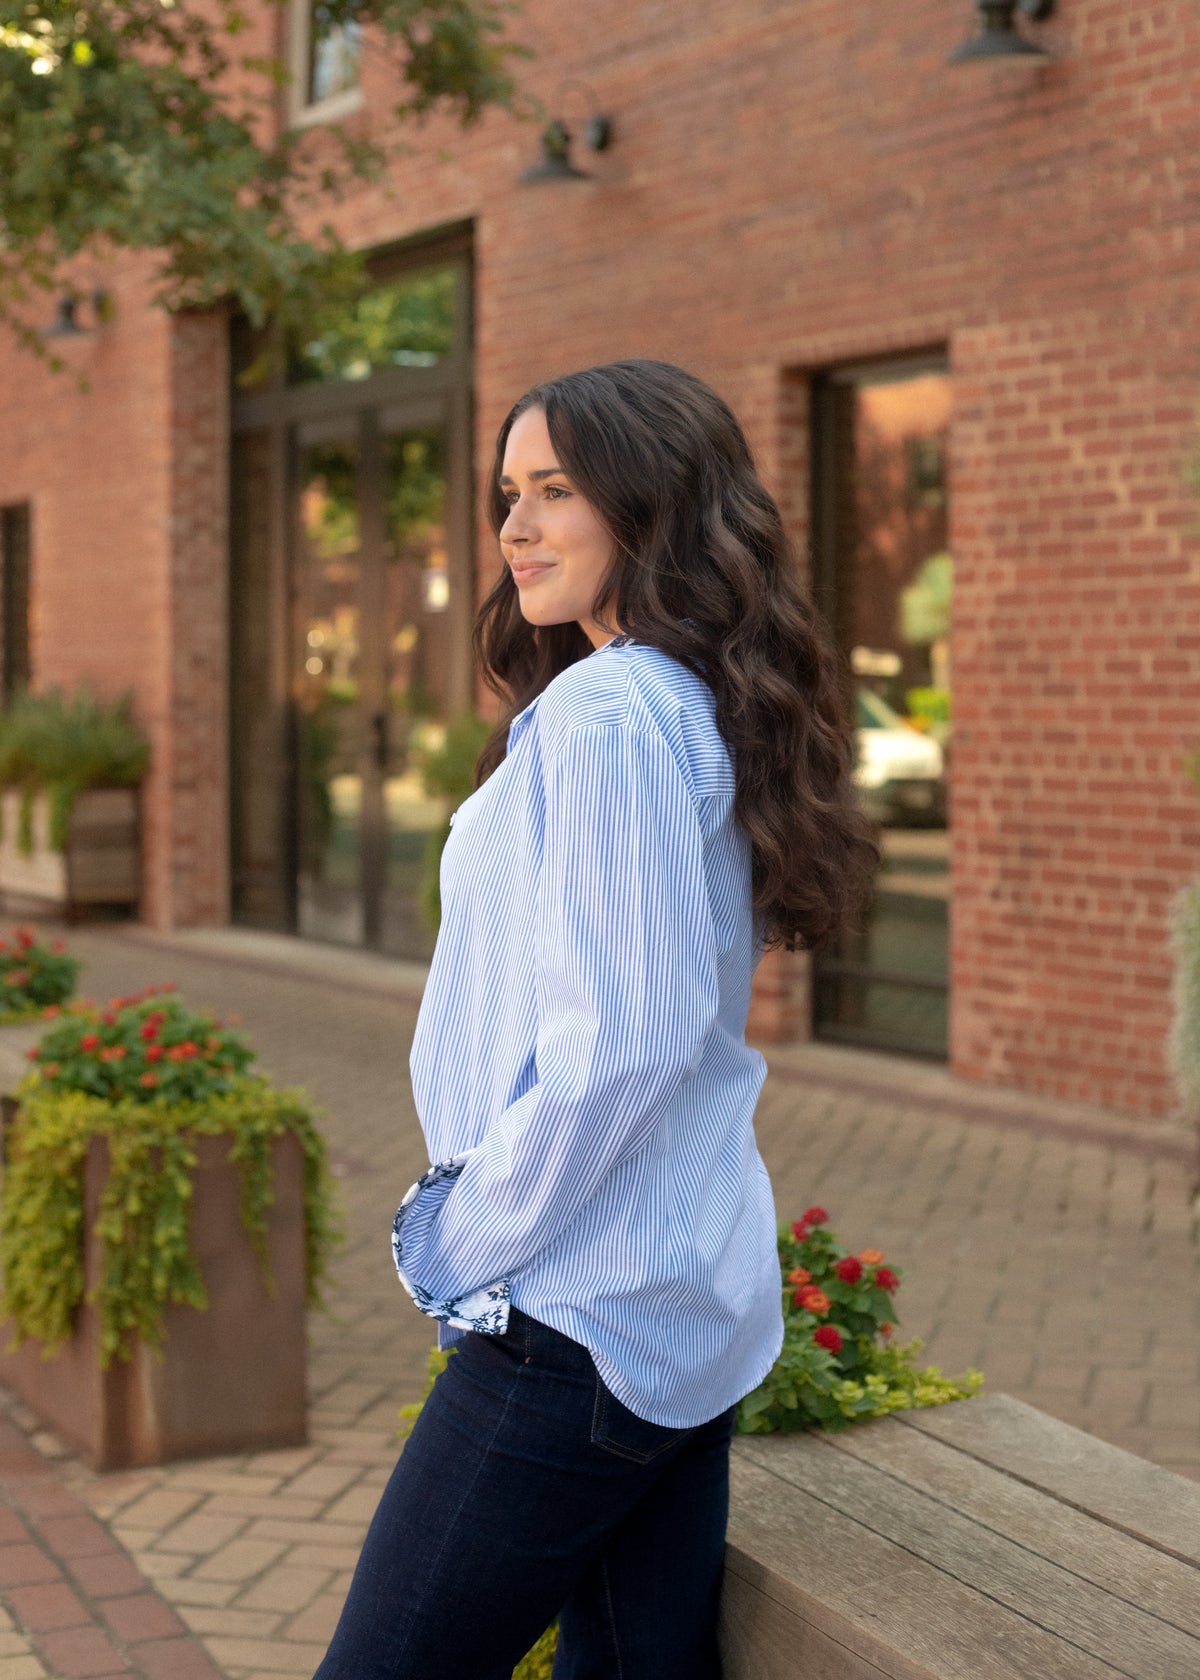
pixel 527 1491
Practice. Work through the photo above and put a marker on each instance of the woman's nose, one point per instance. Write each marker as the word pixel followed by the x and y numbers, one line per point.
pixel 518 527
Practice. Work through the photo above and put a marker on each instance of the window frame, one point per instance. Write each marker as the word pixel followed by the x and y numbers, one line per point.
pixel 303 113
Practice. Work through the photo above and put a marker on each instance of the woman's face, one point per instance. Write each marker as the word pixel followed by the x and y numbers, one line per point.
pixel 552 539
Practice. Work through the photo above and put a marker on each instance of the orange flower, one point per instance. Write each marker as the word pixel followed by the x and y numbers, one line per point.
pixel 812 1299
pixel 885 1330
pixel 149 1080
pixel 798 1275
pixel 871 1256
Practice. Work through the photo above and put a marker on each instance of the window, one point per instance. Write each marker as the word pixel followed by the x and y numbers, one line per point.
pixel 14 600
pixel 325 47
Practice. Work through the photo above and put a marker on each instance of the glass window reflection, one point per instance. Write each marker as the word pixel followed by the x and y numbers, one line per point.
pixel 405 322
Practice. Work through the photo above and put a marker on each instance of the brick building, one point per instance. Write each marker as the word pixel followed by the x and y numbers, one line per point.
pixel 957 309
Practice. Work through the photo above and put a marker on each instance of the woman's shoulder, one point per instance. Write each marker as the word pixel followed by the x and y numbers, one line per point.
pixel 635 686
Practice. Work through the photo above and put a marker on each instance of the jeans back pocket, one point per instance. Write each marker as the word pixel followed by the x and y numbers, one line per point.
pixel 620 1431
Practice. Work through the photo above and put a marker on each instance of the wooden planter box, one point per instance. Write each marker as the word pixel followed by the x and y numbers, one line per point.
pixel 101 863
pixel 231 1379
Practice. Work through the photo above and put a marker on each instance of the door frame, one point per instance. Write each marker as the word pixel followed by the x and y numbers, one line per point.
pixel 831 394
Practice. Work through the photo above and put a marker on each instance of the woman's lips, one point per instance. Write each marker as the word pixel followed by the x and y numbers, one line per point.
pixel 525 574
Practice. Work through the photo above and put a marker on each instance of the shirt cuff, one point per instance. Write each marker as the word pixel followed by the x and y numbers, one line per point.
pixel 483 1310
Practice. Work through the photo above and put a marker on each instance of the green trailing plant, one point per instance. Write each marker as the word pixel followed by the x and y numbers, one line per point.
pixel 1183 1042
pixel 448 772
pixel 59 745
pixel 128 1075
pixel 36 978
pixel 838 1362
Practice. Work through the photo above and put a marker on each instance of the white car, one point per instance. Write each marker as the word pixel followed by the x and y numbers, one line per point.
pixel 900 773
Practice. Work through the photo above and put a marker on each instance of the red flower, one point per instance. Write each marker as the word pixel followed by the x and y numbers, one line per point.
pixel 829 1337
pixel 154 1053
pixel 114 1053
pixel 887 1279
pixel 190 1049
pixel 850 1269
pixel 89 1041
pixel 812 1299
pixel 149 1080
pixel 150 1030
pixel 109 1019
pixel 175 1053
pixel 799 1230
pixel 33 1054
pixel 814 1216
pixel 24 938
pixel 885 1330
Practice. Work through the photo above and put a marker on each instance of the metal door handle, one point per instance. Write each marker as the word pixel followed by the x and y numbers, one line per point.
pixel 379 729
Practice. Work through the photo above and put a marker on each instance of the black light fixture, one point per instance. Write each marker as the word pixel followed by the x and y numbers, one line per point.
pixel 998 36
pixel 555 162
pixel 66 322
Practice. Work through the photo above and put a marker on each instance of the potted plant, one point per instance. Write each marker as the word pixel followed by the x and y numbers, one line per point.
pixel 165 1220
pixel 69 775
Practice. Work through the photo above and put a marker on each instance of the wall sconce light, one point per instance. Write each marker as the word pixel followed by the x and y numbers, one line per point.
pixel 998 37
pixel 555 162
pixel 66 323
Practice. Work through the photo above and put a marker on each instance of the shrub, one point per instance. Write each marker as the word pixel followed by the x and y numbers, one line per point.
pixel 35 977
pixel 140 1049
pixel 839 1361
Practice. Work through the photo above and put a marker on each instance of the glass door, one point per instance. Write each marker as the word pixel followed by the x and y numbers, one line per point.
pixel 884 577
pixel 374 671
pixel 417 632
pixel 328 581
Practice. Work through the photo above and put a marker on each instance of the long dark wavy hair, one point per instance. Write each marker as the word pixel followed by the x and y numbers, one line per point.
pixel 701 569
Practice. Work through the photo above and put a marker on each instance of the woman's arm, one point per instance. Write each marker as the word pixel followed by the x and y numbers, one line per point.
pixel 626 993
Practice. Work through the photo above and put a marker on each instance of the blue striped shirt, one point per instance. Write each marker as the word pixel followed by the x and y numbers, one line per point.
pixel 580 1066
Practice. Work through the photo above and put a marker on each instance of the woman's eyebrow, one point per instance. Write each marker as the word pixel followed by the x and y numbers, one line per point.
pixel 541 472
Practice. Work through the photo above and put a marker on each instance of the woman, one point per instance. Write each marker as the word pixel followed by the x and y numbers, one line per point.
pixel 667 794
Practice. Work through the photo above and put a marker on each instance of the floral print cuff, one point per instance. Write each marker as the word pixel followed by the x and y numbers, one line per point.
pixel 483 1310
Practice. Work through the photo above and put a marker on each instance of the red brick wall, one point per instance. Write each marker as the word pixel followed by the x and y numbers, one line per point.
pixel 1076 663
pixel 127 485
pixel 791 186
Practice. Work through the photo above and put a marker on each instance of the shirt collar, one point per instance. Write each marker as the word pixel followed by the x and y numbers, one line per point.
pixel 518 723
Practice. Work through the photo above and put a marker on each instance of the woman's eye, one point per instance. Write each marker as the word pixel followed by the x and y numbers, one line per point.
pixel 554 491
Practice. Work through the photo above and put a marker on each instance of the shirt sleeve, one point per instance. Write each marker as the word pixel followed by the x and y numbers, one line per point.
pixel 626 986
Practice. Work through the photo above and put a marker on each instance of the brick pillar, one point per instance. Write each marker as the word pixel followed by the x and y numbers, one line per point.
pixel 190 857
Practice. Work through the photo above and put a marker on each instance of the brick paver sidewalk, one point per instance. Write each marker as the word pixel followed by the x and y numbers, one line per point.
pixel 76 1605
pixel 1053 1246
